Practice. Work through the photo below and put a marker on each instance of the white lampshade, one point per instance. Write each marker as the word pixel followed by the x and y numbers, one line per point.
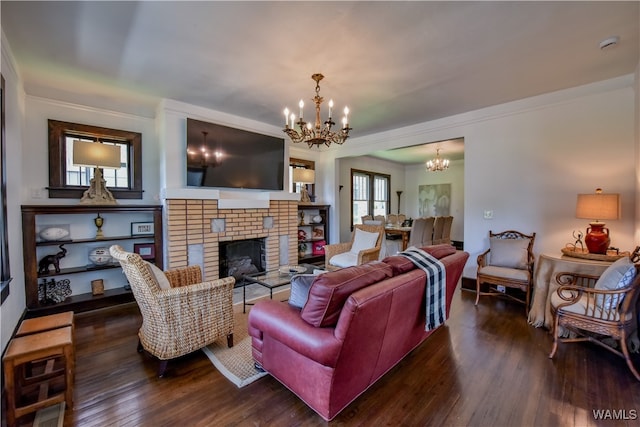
pixel 304 176
pixel 598 206
pixel 95 154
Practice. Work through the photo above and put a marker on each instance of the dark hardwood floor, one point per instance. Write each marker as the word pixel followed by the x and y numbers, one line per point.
pixel 486 367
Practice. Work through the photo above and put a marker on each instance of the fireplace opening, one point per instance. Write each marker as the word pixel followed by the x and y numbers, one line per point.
pixel 240 257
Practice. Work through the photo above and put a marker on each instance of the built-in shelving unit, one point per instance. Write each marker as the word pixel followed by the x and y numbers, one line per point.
pixel 37 217
pixel 313 233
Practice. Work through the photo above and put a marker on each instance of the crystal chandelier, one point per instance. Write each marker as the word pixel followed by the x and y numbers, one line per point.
pixel 320 133
pixel 438 164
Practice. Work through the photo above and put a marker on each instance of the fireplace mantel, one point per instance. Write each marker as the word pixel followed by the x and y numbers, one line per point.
pixel 230 199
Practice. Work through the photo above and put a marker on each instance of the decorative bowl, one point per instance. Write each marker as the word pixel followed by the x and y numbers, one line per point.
pixel 317 219
pixel 100 256
pixel 292 269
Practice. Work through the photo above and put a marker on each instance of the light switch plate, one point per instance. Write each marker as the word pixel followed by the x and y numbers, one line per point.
pixel 488 214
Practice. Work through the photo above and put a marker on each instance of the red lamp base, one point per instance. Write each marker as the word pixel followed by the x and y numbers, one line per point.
pixel 597 238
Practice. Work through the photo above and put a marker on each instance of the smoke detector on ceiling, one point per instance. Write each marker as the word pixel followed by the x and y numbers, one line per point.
pixel 610 42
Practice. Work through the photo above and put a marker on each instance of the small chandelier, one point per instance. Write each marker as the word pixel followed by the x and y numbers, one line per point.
pixel 204 155
pixel 318 134
pixel 438 164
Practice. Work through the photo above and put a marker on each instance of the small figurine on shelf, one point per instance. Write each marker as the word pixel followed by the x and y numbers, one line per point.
pixel 302 249
pixel 45 262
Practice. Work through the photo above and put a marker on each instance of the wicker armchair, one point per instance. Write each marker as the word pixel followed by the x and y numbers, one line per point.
pixel 362 256
pixel 508 262
pixel 594 314
pixel 180 313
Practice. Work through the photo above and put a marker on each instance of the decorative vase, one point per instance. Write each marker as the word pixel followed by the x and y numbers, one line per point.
pixel 597 238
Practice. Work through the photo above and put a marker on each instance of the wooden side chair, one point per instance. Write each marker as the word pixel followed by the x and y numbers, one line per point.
pixel 593 308
pixel 508 262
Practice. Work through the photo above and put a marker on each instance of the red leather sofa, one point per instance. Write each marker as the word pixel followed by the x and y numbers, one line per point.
pixel 356 325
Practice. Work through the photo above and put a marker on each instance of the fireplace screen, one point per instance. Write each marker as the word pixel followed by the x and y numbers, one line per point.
pixel 241 257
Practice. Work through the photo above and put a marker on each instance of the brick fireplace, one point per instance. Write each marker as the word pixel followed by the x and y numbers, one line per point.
pixel 202 222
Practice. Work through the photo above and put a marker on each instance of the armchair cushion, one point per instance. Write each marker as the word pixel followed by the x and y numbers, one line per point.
pixel 363 240
pixel 509 253
pixel 159 275
pixel 618 275
pixel 329 291
pixel 345 259
pixel 505 273
pixel 582 307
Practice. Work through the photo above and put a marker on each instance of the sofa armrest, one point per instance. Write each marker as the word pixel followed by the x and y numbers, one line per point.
pixel 283 323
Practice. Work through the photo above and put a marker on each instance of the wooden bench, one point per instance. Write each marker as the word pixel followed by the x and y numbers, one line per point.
pixel 45 323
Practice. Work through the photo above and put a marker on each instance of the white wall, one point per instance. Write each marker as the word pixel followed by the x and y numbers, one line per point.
pixel 14 305
pixel 417 176
pixel 527 160
pixel 36 139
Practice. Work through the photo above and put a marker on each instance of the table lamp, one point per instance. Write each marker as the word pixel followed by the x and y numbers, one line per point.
pixel 304 177
pixel 98 156
pixel 598 206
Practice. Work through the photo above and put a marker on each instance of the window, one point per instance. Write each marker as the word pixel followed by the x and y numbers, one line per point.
pixel 369 194
pixel 69 181
pixel 5 273
pixel 299 163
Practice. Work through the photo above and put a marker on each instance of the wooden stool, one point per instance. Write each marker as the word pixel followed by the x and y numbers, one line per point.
pixel 46 345
pixel 45 323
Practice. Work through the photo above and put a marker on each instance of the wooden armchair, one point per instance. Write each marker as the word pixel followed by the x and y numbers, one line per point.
pixel 508 262
pixel 592 314
pixel 180 313
pixel 362 248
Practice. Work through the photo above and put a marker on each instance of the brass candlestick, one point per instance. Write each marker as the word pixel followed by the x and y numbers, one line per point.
pixel 99 221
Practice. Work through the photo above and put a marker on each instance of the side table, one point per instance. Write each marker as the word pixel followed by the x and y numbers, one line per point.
pixel 545 285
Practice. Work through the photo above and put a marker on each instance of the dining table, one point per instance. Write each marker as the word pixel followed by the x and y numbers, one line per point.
pixel 405 232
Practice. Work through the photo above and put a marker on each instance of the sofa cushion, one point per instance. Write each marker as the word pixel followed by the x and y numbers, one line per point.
pixel 345 259
pixel 329 291
pixel 400 264
pixel 509 253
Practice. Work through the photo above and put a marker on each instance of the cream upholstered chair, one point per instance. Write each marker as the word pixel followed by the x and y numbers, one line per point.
pixel 422 232
pixel 447 222
pixel 366 218
pixel 392 219
pixel 508 262
pixel 180 313
pixel 365 245
pixel 594 308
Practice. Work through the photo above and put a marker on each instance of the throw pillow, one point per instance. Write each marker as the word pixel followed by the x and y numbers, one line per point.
pixel 363 240
pixel 329 291
pixel 300 285
pixel 162 280
pixel 618 275
pixel 509 253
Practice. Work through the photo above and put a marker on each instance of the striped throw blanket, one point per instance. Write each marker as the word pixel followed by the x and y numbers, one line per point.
pixel 437 278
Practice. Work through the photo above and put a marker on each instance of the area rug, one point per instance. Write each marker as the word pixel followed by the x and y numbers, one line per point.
pixel 235 363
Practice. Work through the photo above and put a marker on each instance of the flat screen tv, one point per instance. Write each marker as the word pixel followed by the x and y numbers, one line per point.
pixel 224 157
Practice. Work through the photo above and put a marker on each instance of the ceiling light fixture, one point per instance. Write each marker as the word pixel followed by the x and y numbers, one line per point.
pixel 609 42
pixel 438 164
pixel 318 134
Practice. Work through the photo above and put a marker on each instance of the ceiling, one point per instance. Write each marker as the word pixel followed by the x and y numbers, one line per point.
pixel 393 63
